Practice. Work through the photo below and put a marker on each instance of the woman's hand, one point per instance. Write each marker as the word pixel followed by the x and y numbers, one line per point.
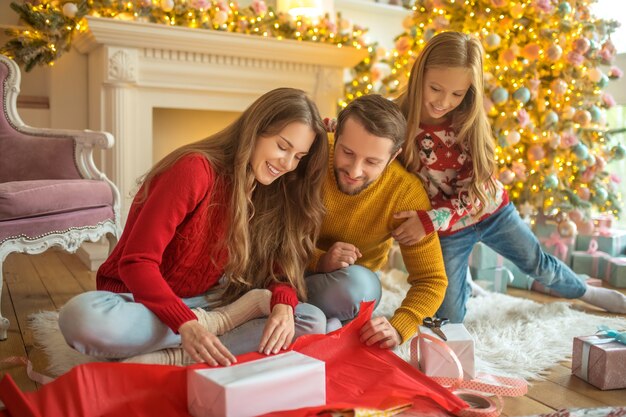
pixel 279 330
pixel 411 231
pixel 204 346
pixel 379 330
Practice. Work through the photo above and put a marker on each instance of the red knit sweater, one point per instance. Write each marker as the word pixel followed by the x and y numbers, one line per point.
pixel 164 252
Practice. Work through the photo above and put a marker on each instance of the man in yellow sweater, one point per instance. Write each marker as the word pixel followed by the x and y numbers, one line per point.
pixel 364 187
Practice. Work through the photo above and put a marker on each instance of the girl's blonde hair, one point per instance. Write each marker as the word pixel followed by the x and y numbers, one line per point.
pixel 469 119
pixel 272 229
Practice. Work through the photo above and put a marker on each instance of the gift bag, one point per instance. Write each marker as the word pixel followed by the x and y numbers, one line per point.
pixel 357 377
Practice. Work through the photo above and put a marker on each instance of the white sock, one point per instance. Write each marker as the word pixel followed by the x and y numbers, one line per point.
pixel 172 356
pixel 253 304
pixel 610 300
pixel 477 290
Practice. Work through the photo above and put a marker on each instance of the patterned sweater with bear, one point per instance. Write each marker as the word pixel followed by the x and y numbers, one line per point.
pixel 446 171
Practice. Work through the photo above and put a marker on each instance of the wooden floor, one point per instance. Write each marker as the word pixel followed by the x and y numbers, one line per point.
pixel 46 281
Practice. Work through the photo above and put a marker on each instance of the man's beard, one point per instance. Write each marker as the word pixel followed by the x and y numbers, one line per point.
pixel 350 191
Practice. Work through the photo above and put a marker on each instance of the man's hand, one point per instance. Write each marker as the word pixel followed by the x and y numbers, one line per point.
pixel 379 330
pixel 340 255
pixel 279 330
pixel 411 231
pixel 204 346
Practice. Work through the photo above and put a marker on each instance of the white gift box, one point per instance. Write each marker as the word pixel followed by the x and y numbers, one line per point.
pixel 281 382
pixel 434 361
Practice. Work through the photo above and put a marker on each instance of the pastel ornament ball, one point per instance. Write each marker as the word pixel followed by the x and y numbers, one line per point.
pixel 554 52
pixel 576 216
pixel 594 75
pixel 492 41
pixel 522 95
pixel 600 195
pixel 220 17
pixel 549 119
pixel 618 152
pixel 596 113
pixel 536 153
pixel 584 193
pixel 580 150
pixel 508 56
pixel 70 10
pixel 167 5
pixel 531 51
pixel 499 95
pixel 513 137
pixel 582 117
pixel 567 228
pixel 581 45
pixel 586 227
pixel 603 81
pixel 564 8
pixel 506 177
pixel 558 86
pixel 550 181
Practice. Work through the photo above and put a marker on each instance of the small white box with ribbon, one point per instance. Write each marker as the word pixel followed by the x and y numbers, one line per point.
pixel 282 382
pixel 433 361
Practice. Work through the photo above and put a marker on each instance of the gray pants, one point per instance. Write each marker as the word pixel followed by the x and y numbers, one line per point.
pixel 339 293
pixel 110 325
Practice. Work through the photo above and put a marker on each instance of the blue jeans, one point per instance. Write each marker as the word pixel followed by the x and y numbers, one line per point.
pixel 339 293
pixel 507 234
pixel 110 325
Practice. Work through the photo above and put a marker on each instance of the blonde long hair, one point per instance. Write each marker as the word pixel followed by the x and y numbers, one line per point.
pixel 469 119
pixel 272 228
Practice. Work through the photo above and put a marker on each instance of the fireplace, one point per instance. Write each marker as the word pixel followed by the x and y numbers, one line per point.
pixel 135 69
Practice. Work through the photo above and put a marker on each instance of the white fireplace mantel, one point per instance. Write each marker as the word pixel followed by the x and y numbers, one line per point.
pixel 134 67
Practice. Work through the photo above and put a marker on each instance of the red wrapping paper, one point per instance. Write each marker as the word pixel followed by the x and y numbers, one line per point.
pixel 356 376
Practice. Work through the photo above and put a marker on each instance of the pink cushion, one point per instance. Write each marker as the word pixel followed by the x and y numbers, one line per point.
pixel 22 199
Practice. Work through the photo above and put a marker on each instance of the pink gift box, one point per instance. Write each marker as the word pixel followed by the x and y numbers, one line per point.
pixel 282 382
pixel 600 360
pixel 434 361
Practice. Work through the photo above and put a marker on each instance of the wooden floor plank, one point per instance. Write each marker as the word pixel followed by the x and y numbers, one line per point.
pixel 85 277
pixel 524 406
pixel 28 293
pixel 554 396
pixel 562 376
pixel 58 280
pixel 14 345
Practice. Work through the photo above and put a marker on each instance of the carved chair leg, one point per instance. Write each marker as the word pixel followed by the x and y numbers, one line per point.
pixel 4 322
pixel 112 241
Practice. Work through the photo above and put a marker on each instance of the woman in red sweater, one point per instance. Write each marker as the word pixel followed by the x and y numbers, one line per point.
pixel 218 235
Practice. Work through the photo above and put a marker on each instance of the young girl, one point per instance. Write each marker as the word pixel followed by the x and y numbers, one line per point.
pixel 229 221
pixel 451 148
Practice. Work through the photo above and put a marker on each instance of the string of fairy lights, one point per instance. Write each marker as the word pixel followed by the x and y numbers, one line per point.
pixel 52 25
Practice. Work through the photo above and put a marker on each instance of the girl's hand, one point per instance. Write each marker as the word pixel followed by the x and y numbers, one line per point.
pixel 279 330
pixel 204 346
pixel 339 255
pixel 411 231
pixel 379 330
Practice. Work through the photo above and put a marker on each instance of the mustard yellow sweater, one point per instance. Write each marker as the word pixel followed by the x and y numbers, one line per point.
pixel 366 221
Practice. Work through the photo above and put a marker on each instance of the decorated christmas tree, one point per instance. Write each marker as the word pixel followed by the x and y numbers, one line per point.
pixel 547 65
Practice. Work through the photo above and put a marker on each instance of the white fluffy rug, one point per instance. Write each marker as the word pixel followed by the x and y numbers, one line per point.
pixel 514 336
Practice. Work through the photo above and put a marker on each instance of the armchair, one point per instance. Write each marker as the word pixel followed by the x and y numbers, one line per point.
pixel 51 193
